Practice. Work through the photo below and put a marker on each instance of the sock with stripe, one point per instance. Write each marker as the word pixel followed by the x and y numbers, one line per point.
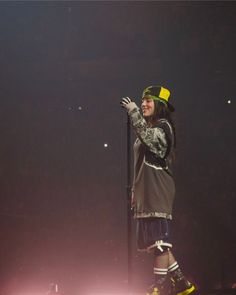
pixel 160 277
pixel 175 272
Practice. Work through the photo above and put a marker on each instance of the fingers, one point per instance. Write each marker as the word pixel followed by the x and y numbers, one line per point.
pixel 124 101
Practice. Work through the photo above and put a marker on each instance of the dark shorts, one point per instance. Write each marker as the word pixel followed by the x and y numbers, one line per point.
pixel 150 230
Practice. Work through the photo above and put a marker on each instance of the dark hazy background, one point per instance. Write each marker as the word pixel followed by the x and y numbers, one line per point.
pixel 63 68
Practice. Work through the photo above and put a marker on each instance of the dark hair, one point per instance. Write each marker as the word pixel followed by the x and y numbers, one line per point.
pixel 161 111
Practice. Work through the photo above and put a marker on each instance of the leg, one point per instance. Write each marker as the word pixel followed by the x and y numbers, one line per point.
pixel 161 283
pixel 152 236
pixel 161 262
pixel 181 285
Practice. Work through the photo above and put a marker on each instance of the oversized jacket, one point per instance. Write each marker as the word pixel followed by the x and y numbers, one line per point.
pixel 153 185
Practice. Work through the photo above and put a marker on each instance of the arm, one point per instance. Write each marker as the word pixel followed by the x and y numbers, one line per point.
pixel 153 138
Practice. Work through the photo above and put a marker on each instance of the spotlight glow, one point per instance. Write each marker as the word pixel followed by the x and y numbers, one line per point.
pixel 108 293
pixel 28 293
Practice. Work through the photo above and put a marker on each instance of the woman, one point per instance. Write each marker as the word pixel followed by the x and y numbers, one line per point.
pixel 153 186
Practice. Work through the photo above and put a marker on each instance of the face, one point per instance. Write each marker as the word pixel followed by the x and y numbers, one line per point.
pixel 147 107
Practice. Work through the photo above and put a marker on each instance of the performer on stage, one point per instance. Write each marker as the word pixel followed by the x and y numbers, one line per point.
pixel 153 188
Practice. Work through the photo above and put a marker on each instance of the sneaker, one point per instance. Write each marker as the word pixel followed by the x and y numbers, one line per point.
pixel 184 287
pixel 153 290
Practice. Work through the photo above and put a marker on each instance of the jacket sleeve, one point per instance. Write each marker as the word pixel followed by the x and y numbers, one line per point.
pixel 153 138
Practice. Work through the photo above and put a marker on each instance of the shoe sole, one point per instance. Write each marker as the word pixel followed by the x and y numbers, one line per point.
pixel 186 292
